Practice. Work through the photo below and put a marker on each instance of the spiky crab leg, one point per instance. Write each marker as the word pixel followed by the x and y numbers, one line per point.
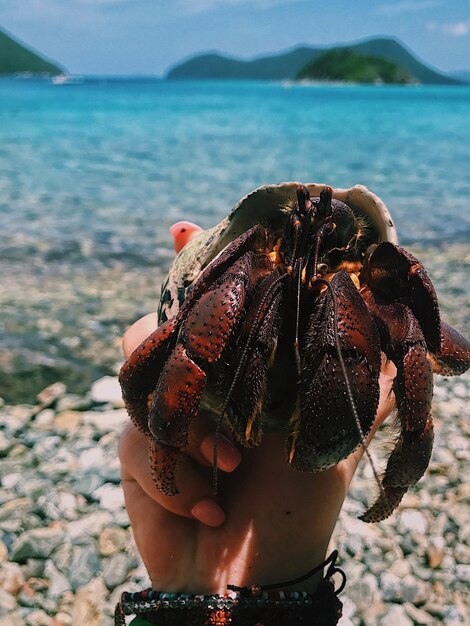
pixel 403 342
pixel 138 374
pixel 202 338
pixel 251 359
pixel 395 274
pixel 323 428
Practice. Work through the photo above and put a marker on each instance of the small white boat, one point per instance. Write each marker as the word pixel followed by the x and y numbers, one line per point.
pixel 65 79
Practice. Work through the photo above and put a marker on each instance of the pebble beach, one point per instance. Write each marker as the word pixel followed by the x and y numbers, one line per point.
pixel 66 549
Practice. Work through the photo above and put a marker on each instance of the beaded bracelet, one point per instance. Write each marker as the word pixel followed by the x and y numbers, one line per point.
pixel 219 608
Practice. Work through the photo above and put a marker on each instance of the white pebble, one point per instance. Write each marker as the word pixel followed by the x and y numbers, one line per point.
pixel 412 522
pixel 110 497
pixel 92 457
pixel 106 389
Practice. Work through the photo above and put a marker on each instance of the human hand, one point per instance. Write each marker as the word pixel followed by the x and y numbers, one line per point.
pixel 270 522
pixel 195 499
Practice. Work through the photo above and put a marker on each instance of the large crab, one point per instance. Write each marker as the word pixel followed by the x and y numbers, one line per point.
pixel 277 319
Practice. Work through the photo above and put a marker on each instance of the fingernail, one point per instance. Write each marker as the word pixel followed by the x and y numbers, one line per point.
pixel 228 457
pixel 208 512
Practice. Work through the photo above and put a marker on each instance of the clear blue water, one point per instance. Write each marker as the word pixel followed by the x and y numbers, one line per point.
pixel 93 174
pixel 99 170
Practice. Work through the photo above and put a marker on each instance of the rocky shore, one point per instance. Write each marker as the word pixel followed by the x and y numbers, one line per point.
pixel 66 551
pixel 63 320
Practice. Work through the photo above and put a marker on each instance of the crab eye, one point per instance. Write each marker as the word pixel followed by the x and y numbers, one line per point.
pixel 303 199
pixel 324 208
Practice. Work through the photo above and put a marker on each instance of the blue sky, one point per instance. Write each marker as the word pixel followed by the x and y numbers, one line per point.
pixel 147 36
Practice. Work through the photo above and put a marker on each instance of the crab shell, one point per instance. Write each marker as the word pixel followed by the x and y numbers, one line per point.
pixel 269 206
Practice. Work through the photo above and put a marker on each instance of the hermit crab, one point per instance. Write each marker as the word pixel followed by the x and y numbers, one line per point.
pixel 277 318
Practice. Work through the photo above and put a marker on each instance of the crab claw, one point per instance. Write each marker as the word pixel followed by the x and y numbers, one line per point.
pixel 183 232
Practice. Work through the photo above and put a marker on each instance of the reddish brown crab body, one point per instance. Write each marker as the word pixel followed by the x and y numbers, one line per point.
pixel 290 331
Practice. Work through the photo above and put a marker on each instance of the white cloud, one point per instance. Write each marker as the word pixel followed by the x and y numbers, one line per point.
pixel 406 6
pixel 454 29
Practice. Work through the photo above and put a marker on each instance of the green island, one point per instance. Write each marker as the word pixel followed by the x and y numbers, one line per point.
pixel 286 65
pixel 343 64
pixel 15 58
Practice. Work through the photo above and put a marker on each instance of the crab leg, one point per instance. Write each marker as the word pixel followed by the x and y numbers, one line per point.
pixel 323 427
pixel 453 356
pixel 137 376
pixel 252 240
pixel 403 342
pixel 263 319
pixel 202 338
pixel 396 274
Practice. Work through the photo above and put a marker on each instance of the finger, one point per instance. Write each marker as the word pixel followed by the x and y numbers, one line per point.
pixel 139 331
pixel 194 499
pixel 228 457
pixel 183 232
pixel 203 440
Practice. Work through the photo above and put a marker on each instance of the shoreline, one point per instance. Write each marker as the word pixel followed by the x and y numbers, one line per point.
pixel 66 323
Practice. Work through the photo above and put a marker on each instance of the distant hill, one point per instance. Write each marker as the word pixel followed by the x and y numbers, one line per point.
pixel 343 64
pixel 286 65
pixel 15 58
pixel 463 75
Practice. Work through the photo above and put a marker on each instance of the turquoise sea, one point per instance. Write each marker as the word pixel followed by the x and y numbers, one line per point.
pixel 93 173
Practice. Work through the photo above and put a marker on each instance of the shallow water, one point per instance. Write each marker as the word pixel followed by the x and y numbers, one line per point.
pixel 93 174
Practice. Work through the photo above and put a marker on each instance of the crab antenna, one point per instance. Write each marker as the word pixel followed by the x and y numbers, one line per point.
pixel 254 329
pixel 297 318
pixel 348 384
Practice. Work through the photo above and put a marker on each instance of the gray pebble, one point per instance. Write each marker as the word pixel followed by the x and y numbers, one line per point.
pixel 13 619
pixel 106 421
pixel 414 590
pixel 463 573
pixel 73 402
pixel 453 616
pixel 58 582
pixel 90 525
pixel 47 447
pixel 6 444
pixel 58 505
pixel 44 419
pixel 419 616
pixel 86 482
pixel 83 566
pixel 51 393
pixel 34 488
pixel 363 591
pixel 36 543
pixel 391 587
pixel 34 568
pixel 7 602
pixel 396 615
pixel 38 618
pixel 110 497
pixel 116 569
